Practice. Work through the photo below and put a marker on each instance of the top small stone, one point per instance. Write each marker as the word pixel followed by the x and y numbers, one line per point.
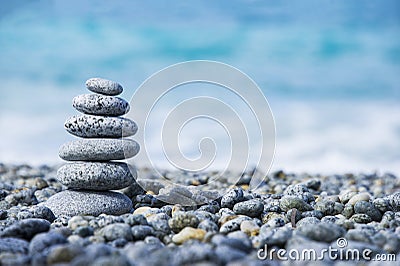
pixel 104 86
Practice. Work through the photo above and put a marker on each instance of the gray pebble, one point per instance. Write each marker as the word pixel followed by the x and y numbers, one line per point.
pixel 369 209
pixel 92 126
pixel 26 229
pixel 328 207
pixel 233 225
pixel 325 232
pixel 134 219
pixel 13 245
pixel 313 213
pixel 290 202
pixel 300 191
pixel 251 208
pixel 227 254
pixel 73 203
pixel 275 236
pixel 242 243
pixel 96 175
pixel 381 204
pixel 42 212
pixel 307 220
pixel 140 232
pixel 84 231
pixel 99 149
pixel 44 240
pixel 63 253
pixel 232 197
pixel 197 252
pixel 118 230
pixel 208 226
pixel 276 222
pixel 96 104
pixel 358 235
pixel 104 86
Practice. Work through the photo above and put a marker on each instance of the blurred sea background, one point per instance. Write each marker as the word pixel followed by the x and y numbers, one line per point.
pixel 329 69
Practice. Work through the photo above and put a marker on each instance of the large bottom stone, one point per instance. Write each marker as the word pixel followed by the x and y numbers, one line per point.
pixel 85 202
pixel 96 175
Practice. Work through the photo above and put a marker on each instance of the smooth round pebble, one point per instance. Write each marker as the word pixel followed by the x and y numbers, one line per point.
pixel 99 149
pixel 290 202
pixel 250 228
pixel 251 208
pixel 92 126
pixel 363 196
pixel 188 233
pixel 104 86
pixel 325 232
pixel 369 209
pixel 361 218
pixel 181 220
pixel 118 230
pixel 96 175
pixel 86 202
pixel 13 245
pixel 44 240
pixel 26 228
pixel 140 232
pixel 95 104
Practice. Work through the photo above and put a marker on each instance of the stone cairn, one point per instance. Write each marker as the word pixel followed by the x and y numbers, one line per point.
pixel 92 170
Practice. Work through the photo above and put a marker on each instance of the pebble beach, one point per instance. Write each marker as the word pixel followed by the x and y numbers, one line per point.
pixel 287 211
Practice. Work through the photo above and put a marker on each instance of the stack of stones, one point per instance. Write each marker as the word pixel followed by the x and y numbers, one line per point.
pixel 92 170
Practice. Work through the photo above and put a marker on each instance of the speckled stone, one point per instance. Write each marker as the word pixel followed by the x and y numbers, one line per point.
pixel 181 220
pixel 104 86
pixel 96 104
pixel 251 208
pixel 82 202
pixel 369 209
pixel 394 201
pixel 289 202
pixel 233 225
pixel 92 126
pixel 361 218
pixel 99 149
pixel 96 175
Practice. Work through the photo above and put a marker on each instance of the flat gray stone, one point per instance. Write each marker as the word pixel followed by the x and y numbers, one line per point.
pixel 13 245
pixel 92 126
pixel 104 86
pixel 96 175
pixel 85 202
pixel 99 149
pixel 96 104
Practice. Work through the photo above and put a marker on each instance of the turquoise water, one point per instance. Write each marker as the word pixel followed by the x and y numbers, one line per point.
pixel 313 60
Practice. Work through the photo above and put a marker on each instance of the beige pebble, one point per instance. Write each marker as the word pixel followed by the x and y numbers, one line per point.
pixel 250 228
pixel 141 210
pixel 346 196
pixel 364 196
pixel 188 233
pixel 226 218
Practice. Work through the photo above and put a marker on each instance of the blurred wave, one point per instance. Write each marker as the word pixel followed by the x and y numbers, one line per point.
pixel 328 68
